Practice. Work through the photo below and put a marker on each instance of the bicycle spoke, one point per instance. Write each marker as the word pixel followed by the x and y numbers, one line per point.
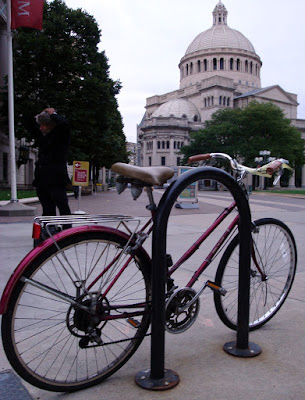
pixel 273 265
pixel 57 344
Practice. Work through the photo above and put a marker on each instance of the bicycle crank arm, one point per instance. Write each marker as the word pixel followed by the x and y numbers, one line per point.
pixel 212 286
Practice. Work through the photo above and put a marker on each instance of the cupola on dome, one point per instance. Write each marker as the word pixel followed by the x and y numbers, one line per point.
pixel 179 108
pixel 220 35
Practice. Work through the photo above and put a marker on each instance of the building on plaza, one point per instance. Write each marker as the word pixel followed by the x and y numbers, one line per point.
pixel 220 69
pixel 133 152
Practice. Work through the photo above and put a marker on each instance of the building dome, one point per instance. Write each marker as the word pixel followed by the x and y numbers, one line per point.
pixel 220 35
pixel 179 108
pixel 221 51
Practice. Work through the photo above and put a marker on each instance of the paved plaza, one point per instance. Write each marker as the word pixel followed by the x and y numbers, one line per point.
pixel 206 372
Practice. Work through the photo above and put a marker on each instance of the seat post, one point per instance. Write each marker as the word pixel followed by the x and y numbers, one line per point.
pixel 152 205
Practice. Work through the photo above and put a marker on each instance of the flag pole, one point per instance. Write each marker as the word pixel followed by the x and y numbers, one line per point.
pixel 14 208
pixel 14 198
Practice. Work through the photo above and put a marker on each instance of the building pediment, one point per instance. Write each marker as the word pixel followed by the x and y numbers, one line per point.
pixel 272 93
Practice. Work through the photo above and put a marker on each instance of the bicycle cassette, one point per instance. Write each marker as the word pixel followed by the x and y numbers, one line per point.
pixel 179 315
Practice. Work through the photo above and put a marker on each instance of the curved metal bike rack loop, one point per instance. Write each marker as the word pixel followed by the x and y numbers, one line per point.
pixel 159 378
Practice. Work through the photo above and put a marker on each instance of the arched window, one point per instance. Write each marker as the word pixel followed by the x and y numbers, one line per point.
pixel 256 70
pixel 163 144
pixel 205 64
pixel 224 100
pixel 214 64
pixel 187 69
pixel 238 64
pixel 159 144
pixel 198 66
pixel 209 102
pixel 191 68
pixel 205 102
pixel 251 67
pixel 220 100
pixel 221 63
pixel 212 100
pixel 246 66
pixel 228 101
pixel 231 64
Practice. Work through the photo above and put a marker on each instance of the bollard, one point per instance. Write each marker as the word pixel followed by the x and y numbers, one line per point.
pixel 157 377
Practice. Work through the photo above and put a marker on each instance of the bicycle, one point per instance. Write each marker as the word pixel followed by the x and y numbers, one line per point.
pixel 78 306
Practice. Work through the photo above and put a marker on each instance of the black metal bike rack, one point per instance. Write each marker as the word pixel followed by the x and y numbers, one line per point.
pixel 157 377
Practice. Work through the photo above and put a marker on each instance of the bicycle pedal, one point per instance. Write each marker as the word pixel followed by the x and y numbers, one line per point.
pixel 133 322
pixel 216 288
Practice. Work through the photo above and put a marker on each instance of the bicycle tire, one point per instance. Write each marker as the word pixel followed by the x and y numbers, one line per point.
pixel 275 250
pixel 42 335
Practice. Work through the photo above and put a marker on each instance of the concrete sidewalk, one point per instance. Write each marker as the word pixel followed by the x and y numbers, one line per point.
pixel 206 371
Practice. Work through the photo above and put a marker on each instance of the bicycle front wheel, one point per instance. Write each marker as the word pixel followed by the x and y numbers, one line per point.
pixel 273 267
pixel 79 313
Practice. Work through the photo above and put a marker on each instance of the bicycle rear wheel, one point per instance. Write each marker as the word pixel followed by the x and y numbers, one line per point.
pixel 274 251
pixel 58 345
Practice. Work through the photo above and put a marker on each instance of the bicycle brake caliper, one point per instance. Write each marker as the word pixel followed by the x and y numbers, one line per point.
pixel 140 238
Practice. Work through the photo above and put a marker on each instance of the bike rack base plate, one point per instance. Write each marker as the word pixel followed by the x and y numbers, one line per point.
pixel 253 350
pixel 144 380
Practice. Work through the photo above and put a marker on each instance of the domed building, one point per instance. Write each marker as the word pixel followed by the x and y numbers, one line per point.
pixel 220 69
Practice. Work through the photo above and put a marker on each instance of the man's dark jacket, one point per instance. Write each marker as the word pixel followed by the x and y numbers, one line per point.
pixel 51 167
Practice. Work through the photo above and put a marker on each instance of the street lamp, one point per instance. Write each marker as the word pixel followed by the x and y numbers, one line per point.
pixel 265 153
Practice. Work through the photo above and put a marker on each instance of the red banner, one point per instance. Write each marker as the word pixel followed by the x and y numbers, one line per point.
pixel 27 13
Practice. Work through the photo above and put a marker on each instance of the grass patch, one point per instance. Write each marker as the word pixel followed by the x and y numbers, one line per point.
pixel 282 191
pixel 21 194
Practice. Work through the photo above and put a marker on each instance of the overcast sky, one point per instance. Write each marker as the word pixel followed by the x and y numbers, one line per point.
pixel 145 41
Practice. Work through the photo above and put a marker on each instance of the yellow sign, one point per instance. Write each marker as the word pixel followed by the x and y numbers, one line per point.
pixel 80 173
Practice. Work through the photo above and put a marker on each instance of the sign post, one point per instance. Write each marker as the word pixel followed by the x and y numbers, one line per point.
pixel 80 178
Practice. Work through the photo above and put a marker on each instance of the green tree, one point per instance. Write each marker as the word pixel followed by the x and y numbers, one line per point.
pixel 242 133
pixel 62 67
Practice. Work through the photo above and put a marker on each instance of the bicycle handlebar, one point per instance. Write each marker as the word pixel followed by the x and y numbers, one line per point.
pixel 274 166
pixel 266 170
pixel 199 157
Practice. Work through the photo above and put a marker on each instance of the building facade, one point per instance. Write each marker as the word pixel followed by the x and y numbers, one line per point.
pixel 220 69
pixel 133 152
